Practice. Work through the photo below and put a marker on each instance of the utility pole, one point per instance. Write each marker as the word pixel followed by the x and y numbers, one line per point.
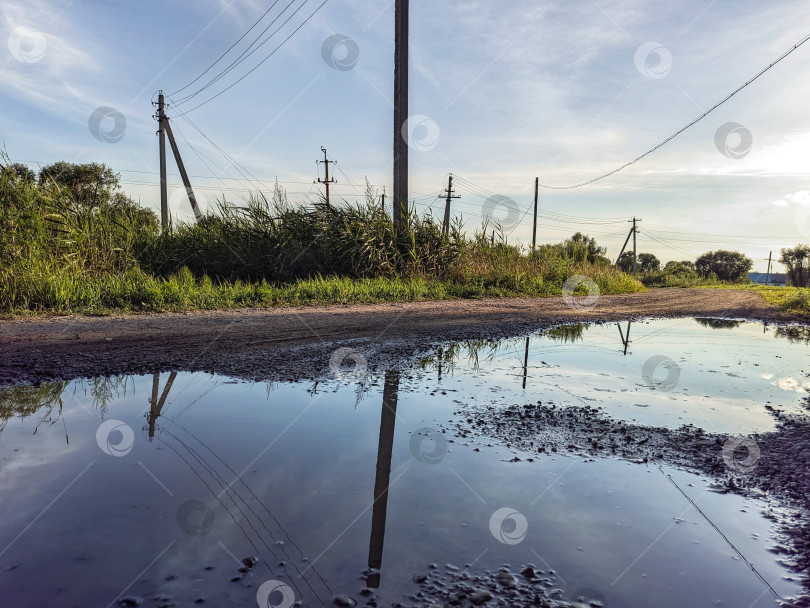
pixel 446 226
pixel 768 277
pixel 326 181
pixel 400 113
pixel 164 196
pixel 635 252
pixel 536 197
pixel 183 175
pixel 383 199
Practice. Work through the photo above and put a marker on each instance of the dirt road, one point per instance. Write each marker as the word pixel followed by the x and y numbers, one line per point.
pixel 295 343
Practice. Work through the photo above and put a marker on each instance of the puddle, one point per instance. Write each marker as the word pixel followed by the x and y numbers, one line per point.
pixel 156 488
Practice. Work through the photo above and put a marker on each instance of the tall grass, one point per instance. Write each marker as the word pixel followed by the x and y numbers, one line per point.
pixel 61 254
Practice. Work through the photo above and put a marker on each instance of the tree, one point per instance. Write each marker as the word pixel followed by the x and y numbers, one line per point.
pixel 647 262
pixel 19 171
pixel 582 248
pixel 625 261
pixel 726 265
pixel 684 268
pixel 797 261
pixel 90 184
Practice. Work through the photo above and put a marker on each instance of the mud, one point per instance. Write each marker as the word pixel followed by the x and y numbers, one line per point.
pixel 296 343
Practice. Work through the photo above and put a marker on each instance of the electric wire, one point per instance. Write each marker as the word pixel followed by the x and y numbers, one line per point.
pixel 682 129
pixel 243 56
pixel 227 51
pixel 210 99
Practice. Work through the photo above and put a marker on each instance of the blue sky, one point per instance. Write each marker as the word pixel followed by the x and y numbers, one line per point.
pixel 510 90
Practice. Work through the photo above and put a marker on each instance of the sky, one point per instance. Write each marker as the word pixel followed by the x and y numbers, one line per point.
pixel 501 93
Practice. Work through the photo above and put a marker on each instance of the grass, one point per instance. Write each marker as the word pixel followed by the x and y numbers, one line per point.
pixel 791 300
pixel 63 250
pixel 135 291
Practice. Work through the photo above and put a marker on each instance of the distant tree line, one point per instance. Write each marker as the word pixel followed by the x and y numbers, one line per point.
pixel 723 265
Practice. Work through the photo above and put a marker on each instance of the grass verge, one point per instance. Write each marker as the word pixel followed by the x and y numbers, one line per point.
pixel 132 292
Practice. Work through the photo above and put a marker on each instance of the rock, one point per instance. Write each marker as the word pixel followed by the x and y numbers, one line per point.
pixel 130 600
pixel 344 601
pixel 480 597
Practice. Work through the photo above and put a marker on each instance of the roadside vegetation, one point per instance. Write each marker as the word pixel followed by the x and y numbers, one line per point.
pixel 729 270
pixel 71 241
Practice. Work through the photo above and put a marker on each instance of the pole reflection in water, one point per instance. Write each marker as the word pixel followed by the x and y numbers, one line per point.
pixel 625 338
pixel 155 404
pixel 388 419
pixel 526 362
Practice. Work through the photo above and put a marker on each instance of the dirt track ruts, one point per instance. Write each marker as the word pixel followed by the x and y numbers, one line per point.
pixel 296 343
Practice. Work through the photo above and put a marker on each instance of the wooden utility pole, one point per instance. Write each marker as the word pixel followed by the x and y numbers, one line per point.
pixel 446 225
pixel 400 113
pixel 164 196
pixel 326 181
pixel 768 276
pixel 635 252
pixel 536 197
pixel 183 175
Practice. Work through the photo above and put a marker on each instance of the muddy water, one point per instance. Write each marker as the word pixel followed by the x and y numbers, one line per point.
pixel 160 489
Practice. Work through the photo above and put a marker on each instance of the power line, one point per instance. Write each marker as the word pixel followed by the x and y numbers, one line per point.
pixel 261 62
pixel 681 130
pixel 229 49
pixel 242 57
pixel 742 236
